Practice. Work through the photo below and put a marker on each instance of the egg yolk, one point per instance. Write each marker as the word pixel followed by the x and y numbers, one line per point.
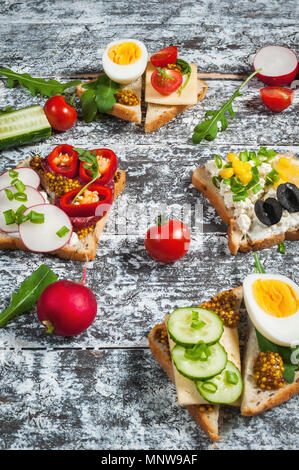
pixel 288 170
pixel 125 53
pixel 275 297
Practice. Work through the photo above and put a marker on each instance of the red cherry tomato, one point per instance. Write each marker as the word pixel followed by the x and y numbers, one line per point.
pixel 165 56
pixel 60 115
pixel 168 242
pixel 166 81
pixel 277 98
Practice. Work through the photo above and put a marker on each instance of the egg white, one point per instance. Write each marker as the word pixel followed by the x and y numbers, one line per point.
pixel 125 74
pixel 281 331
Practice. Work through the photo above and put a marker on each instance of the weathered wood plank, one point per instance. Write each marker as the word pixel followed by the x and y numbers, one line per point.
pixel 77 48
pixel 115 399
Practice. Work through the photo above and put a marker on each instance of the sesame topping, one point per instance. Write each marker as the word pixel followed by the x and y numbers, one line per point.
pixel 268 371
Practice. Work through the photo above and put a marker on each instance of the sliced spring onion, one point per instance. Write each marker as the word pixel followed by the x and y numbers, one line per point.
pixel 21 209
pixel 13 173
pixel 9 216
pixel 196 323
pixel 251 155
pixel 20 196
pixel 228 165
pixel 199 352
pixel 243 156
pixel 209 387
pixel 14 181
pixel 272 177
pixel 240 196
pixel 218 161
pixel 62 231
pixel 281 248
pixel 20 186
pixel 226 181
pixel 231 377
pixel 257 264
pixel 256 188
pixel 215 182
pixel 21 218
pixel 9 194
pixel 36 217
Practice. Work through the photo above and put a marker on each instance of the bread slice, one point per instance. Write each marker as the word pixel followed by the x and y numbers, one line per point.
pixel 202 180
pixel 84 249
pixel 158 115
pixel 205 415
pixel 127 113
pixel 254 400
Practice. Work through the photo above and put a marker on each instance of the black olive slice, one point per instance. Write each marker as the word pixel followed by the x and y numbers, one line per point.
pixel 268 212
pixel 288 196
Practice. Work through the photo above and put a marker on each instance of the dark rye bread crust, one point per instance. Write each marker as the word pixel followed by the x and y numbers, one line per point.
pixel 202 180
pixel 207 420
pixel 86 249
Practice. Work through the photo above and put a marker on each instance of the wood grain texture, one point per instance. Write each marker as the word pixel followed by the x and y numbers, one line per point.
pixel 54 392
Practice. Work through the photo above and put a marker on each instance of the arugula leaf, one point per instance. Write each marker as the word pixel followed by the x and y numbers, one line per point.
pixel 100 97
pixel 289 373
pixel 37 85
pixel 91 164
pixel 28 294
pixel 185 67
pixel 208 129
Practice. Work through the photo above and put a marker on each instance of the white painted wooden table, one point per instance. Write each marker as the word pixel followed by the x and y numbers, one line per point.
pixel 103 389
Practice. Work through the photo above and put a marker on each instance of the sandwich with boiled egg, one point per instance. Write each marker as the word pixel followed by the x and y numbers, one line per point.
pixel 256 194
pixel 170 85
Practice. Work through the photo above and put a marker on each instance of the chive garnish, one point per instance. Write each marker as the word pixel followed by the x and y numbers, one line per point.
pixel 196 323
pixel 20 196
pixel 20 187
pixel 36 217
pixel 209 387
pixel 13 173
pixel 281 248
pixel 62 231
pixel 215 182
pixel 243 156
pixel 9 194
pixel 21 209
pixel 218 161
pixel 9 216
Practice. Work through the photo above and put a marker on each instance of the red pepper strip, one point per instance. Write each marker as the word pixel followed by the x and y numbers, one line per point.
pixel 99 208
pixel 70 168
pixel 107 172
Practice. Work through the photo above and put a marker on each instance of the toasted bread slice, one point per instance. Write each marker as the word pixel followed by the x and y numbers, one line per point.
pixel 254 400
pixel 84 249
pixel 205 415
pixel 202 180
pixel 127 113
pixel 158 115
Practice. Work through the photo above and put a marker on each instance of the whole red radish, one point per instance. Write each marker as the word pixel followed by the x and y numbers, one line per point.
pixel 60 114
pixel 277 98
pixel 66 308
pixel 167 242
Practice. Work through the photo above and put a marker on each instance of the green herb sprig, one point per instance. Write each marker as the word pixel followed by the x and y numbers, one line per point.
pixel 36 85
pixel 91 164
pixel 185 70
pixel 208 129
pixel 98 97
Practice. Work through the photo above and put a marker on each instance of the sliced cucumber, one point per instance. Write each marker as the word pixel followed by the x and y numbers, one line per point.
pixel 223 388
pixel 207 327
pixel 24 126
pixel 200 369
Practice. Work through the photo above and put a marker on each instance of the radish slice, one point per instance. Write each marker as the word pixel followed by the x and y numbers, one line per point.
pixel 27 175
pixel 43 238
pixel 33 197
pixel 279 65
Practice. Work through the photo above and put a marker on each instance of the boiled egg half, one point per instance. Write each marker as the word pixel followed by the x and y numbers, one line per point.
pixel 125 60
pixel 272 303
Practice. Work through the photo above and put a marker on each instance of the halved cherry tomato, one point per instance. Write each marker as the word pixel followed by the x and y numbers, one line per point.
pixel 87 209
pixel 107 167
pixel 167 242
pixel 63 160
pixel 165 56
pixel 277 98
pixel 60 115
pixel 166 81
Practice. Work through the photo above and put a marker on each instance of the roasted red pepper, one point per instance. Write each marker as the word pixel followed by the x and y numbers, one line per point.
pixel 82 207
pixel 107 161
pixel 63 160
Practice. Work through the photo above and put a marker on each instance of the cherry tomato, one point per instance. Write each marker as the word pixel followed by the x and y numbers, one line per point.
pixel 60 115
pixel 166 81
pixel 168 242
pixel 277 98
pixel 165 56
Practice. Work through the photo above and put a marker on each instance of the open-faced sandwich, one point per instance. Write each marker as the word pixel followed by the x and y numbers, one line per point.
pixel 59 204
pixel 198 347
pixel 257 195
pixel 171 85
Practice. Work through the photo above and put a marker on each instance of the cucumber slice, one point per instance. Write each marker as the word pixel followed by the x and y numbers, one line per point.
pixel 199 369
pixel 221 388
pixel 24 126
pixel 181 331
